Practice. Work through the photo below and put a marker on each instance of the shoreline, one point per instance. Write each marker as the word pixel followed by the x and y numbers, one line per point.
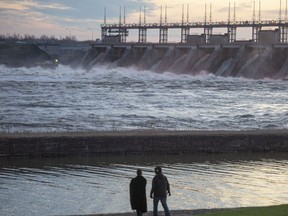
pixel 161 213
pixel 135 142
pixel 205 211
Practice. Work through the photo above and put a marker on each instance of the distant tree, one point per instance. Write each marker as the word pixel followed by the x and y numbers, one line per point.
pixel 27 38
pixel 17 37
pixel 2 37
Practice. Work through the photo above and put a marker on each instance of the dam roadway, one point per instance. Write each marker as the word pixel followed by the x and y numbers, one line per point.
pixel 187 46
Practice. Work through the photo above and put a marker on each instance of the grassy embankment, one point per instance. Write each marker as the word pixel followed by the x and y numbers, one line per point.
pixel 281 210
pixel 22 55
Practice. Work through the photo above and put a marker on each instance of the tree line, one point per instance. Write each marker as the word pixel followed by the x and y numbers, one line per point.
pixel 32 39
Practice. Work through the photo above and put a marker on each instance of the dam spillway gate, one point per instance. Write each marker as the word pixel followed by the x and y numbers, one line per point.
pixel 250 61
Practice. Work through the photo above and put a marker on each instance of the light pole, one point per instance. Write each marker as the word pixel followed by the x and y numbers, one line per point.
pixel 92 31
pixel 69 29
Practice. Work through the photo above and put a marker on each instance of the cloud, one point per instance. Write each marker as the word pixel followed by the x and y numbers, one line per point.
pixel 54 6
pixel 11 5
pixel 49 16
pixel 55 16
pixel 30 5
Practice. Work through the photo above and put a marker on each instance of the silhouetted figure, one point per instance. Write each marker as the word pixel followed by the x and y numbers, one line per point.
pixel 138 193
pixel 160 188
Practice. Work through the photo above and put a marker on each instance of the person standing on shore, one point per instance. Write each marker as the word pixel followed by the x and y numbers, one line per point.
pixel 138 193
pixel 159 190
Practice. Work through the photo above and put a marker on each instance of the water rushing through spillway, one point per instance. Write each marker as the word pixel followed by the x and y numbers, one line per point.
pixel 254 61
pixel 104 98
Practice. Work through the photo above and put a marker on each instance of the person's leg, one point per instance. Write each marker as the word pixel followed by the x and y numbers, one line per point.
pixel 139 213
pixel 165 206
pixel 155 206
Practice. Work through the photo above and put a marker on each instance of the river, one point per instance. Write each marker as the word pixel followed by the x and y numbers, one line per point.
pixel 89 185
pixel 105 98
pixel 66 99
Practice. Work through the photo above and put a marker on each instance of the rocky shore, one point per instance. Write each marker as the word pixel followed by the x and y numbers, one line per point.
pixel 141 142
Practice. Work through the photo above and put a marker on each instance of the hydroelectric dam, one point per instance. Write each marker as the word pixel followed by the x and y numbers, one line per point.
pixel 265 55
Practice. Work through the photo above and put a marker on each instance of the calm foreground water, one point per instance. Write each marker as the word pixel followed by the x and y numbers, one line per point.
pixel 101 185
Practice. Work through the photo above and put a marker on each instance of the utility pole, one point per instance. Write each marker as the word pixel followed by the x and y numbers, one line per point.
pixel 229 14
pixel 210 13
pixel 280 12
pixel 165 14
pixel 187 13
pixel 144 15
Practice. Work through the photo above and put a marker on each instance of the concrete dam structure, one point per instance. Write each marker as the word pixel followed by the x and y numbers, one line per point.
pixel 253 61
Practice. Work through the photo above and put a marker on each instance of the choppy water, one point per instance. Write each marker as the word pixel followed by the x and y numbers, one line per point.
pixel 101 185
pixel 66 99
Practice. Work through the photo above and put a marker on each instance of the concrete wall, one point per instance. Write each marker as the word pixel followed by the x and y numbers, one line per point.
pixel 219 39
pixel 269 36
pixel 195 39
pixel 67 53
pixel 112 39
pixel 71 144
pixel 64 49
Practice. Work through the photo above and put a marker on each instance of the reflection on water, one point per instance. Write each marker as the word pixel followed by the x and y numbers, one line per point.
pixel 100 184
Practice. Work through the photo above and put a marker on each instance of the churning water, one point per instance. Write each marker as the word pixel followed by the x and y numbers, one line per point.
pixel 90 185
pixel 104 98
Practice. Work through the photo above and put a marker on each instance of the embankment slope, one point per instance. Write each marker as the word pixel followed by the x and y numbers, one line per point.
pixel 22 55
pixel 142 142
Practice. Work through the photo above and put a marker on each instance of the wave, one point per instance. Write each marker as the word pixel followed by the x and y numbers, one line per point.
pixel 118 98
pixel 105 72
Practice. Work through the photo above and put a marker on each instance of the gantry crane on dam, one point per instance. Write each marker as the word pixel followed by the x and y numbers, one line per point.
pixel 120 30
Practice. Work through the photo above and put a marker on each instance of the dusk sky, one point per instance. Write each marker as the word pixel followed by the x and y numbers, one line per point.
pixel 82 18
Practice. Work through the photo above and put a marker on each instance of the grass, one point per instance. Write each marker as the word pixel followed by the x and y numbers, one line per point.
pixel 281 210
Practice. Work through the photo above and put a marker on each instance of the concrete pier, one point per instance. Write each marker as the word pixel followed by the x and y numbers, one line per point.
pixel 142 142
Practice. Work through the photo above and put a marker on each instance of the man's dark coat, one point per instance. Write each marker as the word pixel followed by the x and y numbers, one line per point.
pixel 160 186
pixel 138 193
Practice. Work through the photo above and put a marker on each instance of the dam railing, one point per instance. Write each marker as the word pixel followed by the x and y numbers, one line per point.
pixel 122 29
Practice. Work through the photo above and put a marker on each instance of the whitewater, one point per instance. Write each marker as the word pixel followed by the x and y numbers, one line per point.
pixel 118 98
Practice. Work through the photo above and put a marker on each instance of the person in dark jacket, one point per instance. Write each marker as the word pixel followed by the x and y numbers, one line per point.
pixel 138 193
pixel 159 190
